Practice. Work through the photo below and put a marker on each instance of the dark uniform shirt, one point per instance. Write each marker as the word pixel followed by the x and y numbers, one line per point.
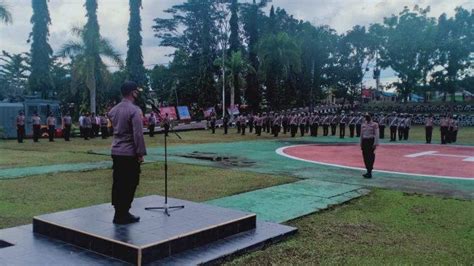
pixel 128 129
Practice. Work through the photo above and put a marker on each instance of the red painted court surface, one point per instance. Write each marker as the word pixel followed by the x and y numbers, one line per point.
pixel 441 161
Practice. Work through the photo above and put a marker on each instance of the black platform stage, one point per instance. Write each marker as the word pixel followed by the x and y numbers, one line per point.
pixel 197 234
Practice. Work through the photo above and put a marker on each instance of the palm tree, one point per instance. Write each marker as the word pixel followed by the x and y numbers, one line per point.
pixel 5 15
pixel 238 68
pixel 87 68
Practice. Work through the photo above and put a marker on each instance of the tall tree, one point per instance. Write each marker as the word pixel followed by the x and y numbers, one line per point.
pixel 252 14
pixel 234 38
pixel 88 69
pixel 455 41
pixel 40 78
pixel 193 32
pixel 405 47
pixel 134 62
pixel 5 15
pixel 14 70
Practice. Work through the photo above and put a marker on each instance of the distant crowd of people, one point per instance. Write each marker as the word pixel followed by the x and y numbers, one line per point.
pixel 275 123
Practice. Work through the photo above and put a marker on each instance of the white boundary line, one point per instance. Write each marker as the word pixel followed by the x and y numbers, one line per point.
pixel 280 151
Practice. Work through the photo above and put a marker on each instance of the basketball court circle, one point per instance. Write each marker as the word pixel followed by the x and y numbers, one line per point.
pixel 439 161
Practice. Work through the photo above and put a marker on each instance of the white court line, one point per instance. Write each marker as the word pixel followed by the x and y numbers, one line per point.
pixel 280 151
pixel 435 153
pixel 414 155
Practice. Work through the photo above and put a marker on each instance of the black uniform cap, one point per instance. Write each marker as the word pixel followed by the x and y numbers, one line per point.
pixel 128 87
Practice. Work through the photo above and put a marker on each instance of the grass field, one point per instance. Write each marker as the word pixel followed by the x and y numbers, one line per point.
pixel 385 227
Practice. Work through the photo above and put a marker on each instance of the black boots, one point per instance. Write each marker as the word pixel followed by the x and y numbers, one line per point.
pixel 125 218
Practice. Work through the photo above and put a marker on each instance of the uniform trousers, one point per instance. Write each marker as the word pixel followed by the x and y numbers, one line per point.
pixel 444 133
pixel 258 130
pixel 213 127
pixel 67 132
pixel 382 131
pixel 393 133
pixel 406 132
pixel 294 129
pixel 126 176
pixel 51 131
pixel 401 133
pixel 167 129
pixel 358 127
pixel 250 126
pixel 36 132
pixel 285 128
pixel 325 130
pixel 342 130
pixel 302 129
pixel 368 152
pixel 151 130
pixel 226 127
pixel 428 133
pixel 243 130
pixel 351 130
pixel 333 129
pixel 105 133
pixel 20 133
pixel 276 130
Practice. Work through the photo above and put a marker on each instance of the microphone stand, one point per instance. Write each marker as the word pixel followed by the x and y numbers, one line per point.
pixel 165 207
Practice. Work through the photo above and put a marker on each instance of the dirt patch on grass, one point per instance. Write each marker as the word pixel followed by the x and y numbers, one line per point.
pixel 224 160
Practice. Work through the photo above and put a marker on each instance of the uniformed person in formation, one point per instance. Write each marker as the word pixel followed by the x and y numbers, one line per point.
pixel 382 121
pixel 237 124
pixel 285 122
pixel 325 122
pixel 293 124
pixel 428 128
pixel 95 126
pixel 334 122
pixel 269 122
pixel 302 122
pixel 342 125
pixel 277 124
pixel 258 124
pixel 20 126
pixel 128 149
pixel 369 140
pixel 250 118
pixel 393 126
pixel 443 127
pixel 315 125
pixel 87 123
pixel 51 122
pixel 401 126
pixel 352 119
pixel 225 123
pixel 104 122
pixel 151 124
pixel 407 126
pixel 213 119
pixel 67 123
pixel 453 129
pixel 36 122
pixel 243 123
pixel 358 123
pixel 165 123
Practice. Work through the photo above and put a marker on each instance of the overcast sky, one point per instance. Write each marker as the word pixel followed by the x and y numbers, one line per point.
pixel 113 19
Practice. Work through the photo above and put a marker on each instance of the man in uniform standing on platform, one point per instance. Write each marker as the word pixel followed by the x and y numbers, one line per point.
pixel 429 128
pixel 128 149
pixel 369 140
pixel 20 126
pixel 67 123
pixel 36 121
pixel 51 122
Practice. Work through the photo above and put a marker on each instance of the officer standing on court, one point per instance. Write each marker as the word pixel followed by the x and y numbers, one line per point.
pixel 225 123
pixel 243 123
pixel 103 126
pixel 213 120
pixel 87 123
pixel 20 126
pixel 51 122
pixel 342 125
pixel 352 119
pixel 443 127
pixel 302 122
pixel 36 121
pixel 393 127
pixel 429 128
pixel 369 140
pixel 358 123
pixel 67 123
pixel 128 149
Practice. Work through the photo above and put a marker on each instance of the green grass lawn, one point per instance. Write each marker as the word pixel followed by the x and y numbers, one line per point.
pixel 385 227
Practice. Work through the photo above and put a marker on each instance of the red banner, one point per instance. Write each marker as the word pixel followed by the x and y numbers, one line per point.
pixel 170 110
